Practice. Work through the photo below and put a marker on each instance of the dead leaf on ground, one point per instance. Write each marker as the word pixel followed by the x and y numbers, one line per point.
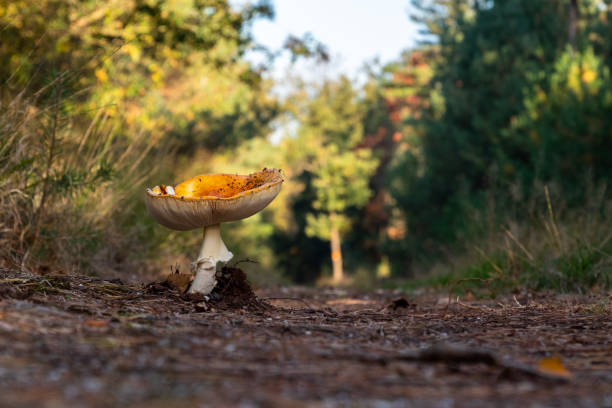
pixel 554 366
pixel 96 323
pixel 179 281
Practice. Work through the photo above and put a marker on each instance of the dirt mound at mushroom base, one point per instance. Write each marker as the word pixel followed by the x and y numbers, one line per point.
pixel 233 291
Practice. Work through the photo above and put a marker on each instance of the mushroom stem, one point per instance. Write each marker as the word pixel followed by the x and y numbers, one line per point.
pixel 205 267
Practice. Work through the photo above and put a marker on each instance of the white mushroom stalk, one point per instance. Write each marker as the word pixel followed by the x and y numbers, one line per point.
pixel 213 251
pixel 205 202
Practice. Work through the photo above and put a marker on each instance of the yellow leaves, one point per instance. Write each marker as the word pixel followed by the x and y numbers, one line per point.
pixel 101 75
pixel 573 82
pixel 147 39
pixel 16 60
pixel 383 270
pixel 133 51
pixel 156 77
pixel 554 366
pixel 156 73
pixel 582 74
pixel 63 44
pixel 10 10
pixel 171 56
pixel 588 76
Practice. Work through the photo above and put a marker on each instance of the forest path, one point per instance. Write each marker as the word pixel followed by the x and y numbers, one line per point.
pixel 80 341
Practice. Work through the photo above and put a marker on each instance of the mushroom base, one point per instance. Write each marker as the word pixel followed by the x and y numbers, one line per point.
pixel 212 252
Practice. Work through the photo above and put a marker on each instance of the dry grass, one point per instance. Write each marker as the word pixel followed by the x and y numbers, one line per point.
pixel 68 179
pixel 549 246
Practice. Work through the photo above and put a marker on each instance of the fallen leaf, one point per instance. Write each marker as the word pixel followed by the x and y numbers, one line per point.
pixel 97 323
pixel 179 281
pixel 554 366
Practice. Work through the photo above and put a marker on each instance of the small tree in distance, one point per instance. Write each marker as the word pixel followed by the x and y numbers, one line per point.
pixel 329 156
pixel 341 181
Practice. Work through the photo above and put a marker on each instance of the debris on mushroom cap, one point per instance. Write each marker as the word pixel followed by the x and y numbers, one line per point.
pixel 213 198
pixel 154 191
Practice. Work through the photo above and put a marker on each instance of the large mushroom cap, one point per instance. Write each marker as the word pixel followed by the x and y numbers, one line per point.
pixel 210 199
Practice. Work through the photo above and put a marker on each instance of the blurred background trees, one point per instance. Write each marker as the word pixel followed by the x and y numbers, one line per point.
pixel 514 105
pixel 493 133
pixel 331 132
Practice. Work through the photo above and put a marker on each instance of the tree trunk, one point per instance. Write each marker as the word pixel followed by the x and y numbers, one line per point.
pixel 336 251
pixel 573 24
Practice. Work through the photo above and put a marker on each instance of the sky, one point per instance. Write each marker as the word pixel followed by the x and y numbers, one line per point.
pixel 354 31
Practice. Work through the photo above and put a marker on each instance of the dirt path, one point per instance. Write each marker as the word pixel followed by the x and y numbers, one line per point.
pixel 78 341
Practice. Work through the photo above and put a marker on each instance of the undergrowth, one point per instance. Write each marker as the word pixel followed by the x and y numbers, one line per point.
pixel 66 178
pixel 555 248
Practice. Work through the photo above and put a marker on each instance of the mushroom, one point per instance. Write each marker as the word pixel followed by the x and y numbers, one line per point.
pixel 205 202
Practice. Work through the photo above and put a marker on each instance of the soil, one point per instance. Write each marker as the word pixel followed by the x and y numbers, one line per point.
pixel 87 342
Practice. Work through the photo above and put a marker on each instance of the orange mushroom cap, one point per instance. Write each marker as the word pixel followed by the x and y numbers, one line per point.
pixel 210 199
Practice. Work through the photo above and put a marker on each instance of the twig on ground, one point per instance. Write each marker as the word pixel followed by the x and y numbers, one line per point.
pixel 516 301
pixel 466 305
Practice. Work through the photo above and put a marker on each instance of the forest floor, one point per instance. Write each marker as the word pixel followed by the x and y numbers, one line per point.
pixel 81 341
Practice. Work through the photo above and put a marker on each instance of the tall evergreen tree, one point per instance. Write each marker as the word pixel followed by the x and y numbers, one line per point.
pixel 491 53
